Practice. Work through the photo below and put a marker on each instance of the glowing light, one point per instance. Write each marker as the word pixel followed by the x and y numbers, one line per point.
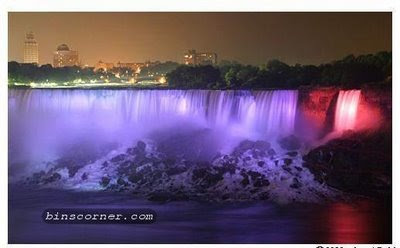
pixel 162 80
pixel 346 110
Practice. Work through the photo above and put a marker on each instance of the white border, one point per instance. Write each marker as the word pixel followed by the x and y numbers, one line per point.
pixel 194 5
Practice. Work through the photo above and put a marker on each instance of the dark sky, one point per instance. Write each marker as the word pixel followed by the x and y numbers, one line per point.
pixel 251 38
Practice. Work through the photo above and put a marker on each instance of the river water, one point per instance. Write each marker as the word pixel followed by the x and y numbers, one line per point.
pixel 363 221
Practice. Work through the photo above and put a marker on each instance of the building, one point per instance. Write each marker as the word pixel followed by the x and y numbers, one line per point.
pixel 202 58
pixel 135 67
pixel 65 57
pixel 31 49
pixel 105 66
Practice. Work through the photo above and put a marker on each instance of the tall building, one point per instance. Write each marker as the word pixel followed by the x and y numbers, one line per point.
pixel 65 57
pixel 200 58
pixel 31 49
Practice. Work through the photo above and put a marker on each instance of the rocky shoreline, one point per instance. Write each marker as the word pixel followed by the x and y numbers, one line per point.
pixel 357 163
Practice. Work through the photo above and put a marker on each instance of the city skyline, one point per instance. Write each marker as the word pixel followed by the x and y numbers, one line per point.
pixel 249 38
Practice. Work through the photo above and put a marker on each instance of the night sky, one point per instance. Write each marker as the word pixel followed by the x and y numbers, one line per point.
pixel 250 38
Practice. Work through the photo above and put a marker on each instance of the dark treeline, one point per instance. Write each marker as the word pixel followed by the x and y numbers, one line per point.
pixel 32 73
pixel 25 73
pixel 349 72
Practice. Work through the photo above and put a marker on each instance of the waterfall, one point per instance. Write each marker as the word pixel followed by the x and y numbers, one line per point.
pixel 43 120
pixel 265 112
pixel 346 110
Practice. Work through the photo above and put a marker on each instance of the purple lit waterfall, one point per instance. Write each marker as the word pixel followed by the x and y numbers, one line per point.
pixel 43 120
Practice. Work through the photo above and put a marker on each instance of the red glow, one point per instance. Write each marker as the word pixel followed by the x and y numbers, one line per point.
pixel 346 110
pixel 348 225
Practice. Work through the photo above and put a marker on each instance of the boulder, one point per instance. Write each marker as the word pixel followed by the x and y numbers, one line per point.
pixel 271 152
pixel 84 176
pixel 105 181
pixel 54 177
pixel 261 163
pixel 258 148
pixel 296 183
pixel 119 158
pixel 290 143
pixel 292 153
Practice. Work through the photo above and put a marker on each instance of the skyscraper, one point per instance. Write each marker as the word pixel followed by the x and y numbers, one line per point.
pixel 31 49
pixel 65 57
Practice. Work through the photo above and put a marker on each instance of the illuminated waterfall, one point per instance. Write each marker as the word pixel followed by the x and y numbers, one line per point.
pixel 45 120
pixel 265 112
pixel 346 110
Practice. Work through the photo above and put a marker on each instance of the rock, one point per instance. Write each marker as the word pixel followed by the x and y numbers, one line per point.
pixel 225 197
pixel 296 183
pixel 298 168
pixel 245 181
pixel 175 170
pixel 259 148
pixel 287 168
pixel 121 181
pixel 104 165
pixel 255 175
pixel 54 177
pixel 141 145
pixel 119 158
pixel 290 143
pixel 84 176
pixel 292 153
pixel 157 175
pixel 36 177
pixel 205 177
pixel 243 147
pixel 135 177
pixel 226 168
pixel 126 167
pixel 261 182
pixel 287 161
pixel 271 152
pixel 354 163
pixel 260 163
pixel 263 196
pixel 105 181
pixel 262 145
pixel 130 151
pixel 199 174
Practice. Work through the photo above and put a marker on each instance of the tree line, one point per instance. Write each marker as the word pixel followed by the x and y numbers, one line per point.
pixel 351 72
pixel 25 73
pixel 18 72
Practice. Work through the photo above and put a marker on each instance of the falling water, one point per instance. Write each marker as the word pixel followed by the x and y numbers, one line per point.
pixel 44 120
pixel 346 110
